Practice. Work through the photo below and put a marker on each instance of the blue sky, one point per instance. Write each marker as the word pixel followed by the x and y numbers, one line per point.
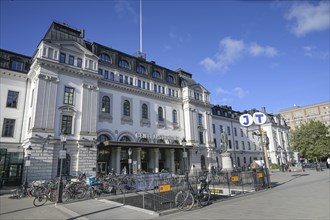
pixel 248 54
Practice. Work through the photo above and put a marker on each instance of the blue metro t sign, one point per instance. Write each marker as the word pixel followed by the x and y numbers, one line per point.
pixel 258 118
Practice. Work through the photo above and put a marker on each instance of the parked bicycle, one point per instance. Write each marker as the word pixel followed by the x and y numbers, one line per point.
pixel 185 199
pixel 49 194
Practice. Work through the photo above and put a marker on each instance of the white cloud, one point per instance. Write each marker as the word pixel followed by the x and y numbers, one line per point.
pixel 240 93
pixel 231 50
pixel 176 39
pixel 124 9
pixel 257 50
pixel 236 92
pixel 313 52
pixel 307 17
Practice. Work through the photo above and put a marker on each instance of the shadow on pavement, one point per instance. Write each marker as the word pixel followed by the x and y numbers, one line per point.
pixel 295 176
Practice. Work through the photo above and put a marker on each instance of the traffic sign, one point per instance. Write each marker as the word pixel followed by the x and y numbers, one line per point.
pixel 259 118
pixel 246 120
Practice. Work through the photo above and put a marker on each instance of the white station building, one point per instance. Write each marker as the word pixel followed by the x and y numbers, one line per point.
pixel 117 111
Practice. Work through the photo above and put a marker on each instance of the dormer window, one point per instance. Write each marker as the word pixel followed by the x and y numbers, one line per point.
pixel 105 57
pixel 156 74
pixel 16 65
pixel 124 64
pixel 141 69
pixel 170 79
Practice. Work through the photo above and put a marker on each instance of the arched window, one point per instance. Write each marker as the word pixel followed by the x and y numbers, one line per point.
pixel 65 166
pixel 141 69
pixel 156 74
pixel 144 111
pixel 175 116
pixel 125 139
pixel 105 57
pixel 127 108
pixel 105 104
pixel 103 137
pixel 160 114
pixel 124 64
pixel 170 79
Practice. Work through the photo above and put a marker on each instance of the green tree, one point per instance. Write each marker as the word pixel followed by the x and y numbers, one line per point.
pixel 311 140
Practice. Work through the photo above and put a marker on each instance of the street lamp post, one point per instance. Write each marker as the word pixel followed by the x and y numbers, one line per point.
pixel 129 161
pixel 27 164
pixel 62 157
pixel 184 155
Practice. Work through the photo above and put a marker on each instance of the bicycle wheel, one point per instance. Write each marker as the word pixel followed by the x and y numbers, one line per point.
pixel 80 192
pixel 19 192
pixel 184 200
pixel 39 201
pixel 66 196
pixel 204 197
pixel 90 193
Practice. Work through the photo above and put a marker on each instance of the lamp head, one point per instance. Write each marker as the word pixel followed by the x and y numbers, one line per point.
pixel 28 151
pixel 184 142
pixel 63 137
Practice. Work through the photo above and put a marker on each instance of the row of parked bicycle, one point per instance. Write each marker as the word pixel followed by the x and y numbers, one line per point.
pixel 81 187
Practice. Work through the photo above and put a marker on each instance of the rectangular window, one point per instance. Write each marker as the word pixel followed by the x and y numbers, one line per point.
pixel 121 78
pixel 243 145
pixel 213 127
pixel 66 127
pixel 201 137
pixel 200 120
pixel 148 86
pixel 8 127
pixel 241 132
pixel 131 81
pixel 112 76
pixel 16 65
pixel 50 53
pixel 221 129
pixel 100 71
pixel 229 143
pixel 90 64
pixel 126 79
pixel 71 60
pixel 68 95
pixel 106 74
pixel 249 145
pixel 12 99
pixel 235 132
pixel 228 130
pixel 143 85
pixel 139 83
pixel 62 57
pixel 155 88
pixel 236 145
pixel 215 142
pixel 79 62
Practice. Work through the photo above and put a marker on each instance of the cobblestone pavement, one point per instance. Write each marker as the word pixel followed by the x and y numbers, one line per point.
pixel 294 195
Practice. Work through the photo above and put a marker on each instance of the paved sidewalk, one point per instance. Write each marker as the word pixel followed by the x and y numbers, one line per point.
pixel 295 195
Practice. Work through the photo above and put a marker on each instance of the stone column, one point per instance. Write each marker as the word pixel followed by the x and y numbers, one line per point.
pixel 156 160
pixel 172 161
pixel 117 159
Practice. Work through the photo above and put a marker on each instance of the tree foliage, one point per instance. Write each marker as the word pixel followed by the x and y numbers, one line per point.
pixel 311 140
